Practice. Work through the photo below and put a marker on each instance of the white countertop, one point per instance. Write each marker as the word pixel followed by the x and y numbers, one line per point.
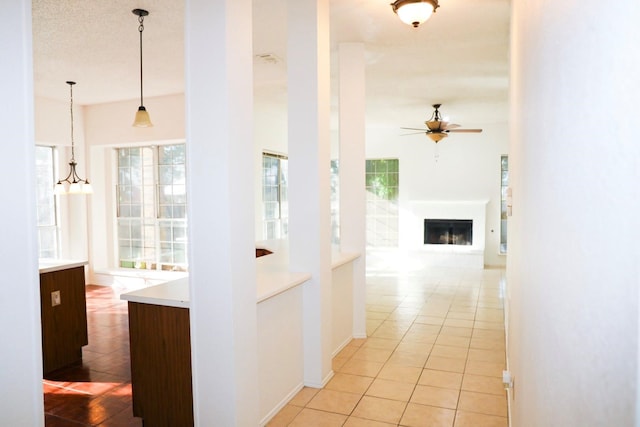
pixel 174 293
pixel 272 278
pixel 47 265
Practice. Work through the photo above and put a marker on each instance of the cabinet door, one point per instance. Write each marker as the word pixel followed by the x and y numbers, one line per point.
pixel 161 364
pixel 64 326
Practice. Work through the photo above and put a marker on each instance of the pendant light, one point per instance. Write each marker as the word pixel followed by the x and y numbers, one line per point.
pixel 72 184
pixel 142 119
pixel 414 12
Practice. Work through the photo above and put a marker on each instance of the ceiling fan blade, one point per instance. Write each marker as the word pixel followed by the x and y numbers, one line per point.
pixel 423 130
pixel 412 133
pixel 452 126
pixel 465 130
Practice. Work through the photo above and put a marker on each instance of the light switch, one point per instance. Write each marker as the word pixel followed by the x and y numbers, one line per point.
pixel 55 298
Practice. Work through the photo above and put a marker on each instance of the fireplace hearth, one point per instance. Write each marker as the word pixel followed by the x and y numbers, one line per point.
pixel 448 232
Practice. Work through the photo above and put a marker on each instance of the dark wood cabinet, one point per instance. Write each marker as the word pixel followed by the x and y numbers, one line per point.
pixel 161 364
pixel 64 326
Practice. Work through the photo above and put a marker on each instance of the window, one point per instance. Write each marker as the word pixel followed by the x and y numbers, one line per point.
pixel 382 183
pixel 335 202
pixel 504 183
pixel 47 218
pixel 275 206
pixel 152 207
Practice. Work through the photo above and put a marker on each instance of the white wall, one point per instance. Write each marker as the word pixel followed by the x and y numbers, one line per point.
pixel 341 307
pixel 280 352
pixel 108 124
pixel 462 167
pixel 573 265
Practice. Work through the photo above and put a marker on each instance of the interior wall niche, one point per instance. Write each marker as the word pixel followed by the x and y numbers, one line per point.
pixel 448 232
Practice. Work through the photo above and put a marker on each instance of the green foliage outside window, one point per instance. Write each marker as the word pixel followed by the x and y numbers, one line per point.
pixel 382 178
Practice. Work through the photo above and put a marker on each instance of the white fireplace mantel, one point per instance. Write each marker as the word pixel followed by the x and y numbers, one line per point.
pixel 412 228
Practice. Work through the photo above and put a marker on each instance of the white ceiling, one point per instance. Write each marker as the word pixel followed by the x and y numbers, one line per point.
pixel 458 58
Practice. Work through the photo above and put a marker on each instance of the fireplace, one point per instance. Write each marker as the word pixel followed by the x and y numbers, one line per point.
pixel 448 232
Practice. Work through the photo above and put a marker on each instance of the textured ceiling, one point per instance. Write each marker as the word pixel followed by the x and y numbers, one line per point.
pixel 458 58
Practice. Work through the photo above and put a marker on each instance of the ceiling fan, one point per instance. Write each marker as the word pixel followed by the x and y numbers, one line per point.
pixel 438 129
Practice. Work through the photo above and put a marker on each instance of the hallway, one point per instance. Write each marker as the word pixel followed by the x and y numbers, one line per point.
pixel 433 357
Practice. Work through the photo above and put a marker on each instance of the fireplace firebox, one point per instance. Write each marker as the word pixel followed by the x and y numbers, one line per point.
pixel 448 232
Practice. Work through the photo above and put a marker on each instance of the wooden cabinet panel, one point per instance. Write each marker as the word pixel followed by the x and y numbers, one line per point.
pixel 161 365
pixel 64 327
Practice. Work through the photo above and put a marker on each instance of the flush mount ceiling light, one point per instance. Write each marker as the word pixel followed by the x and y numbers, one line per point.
pixel 72 184
pixel 142 119
pixel 414 12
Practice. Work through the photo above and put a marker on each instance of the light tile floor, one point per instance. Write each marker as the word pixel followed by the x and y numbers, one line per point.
pixel 433 357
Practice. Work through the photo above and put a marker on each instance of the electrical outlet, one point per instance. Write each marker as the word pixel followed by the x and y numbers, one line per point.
pixel 55 298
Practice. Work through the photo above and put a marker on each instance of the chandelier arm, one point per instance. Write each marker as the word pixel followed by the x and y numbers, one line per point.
pixel 72 170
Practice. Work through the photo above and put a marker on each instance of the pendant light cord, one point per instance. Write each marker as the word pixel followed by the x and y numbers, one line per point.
pixel 73 151
pixel 140 30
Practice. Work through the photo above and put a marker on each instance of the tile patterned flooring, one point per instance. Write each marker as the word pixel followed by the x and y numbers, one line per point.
pixel 96 391
pixel 433 357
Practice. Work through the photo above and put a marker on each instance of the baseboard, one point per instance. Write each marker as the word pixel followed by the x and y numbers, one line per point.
pixel 323 383
pixel 272 413
pixel 341 346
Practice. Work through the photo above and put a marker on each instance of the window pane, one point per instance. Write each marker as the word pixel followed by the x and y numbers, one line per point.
pixel 124 230
pixel 165 231
pixel 135 211
pixel 136 230
pixel 382 182
pixel 335 202
pixel 179 253
pixel 179 211
pixel 504 171
pixel 46 212
pixel 165 174
pixel 274 195
pixel 179 233
pixel 123 157
pixel 151 186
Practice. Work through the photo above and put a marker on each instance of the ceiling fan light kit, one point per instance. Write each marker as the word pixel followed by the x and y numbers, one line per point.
pixel 414 12
pixel 142 119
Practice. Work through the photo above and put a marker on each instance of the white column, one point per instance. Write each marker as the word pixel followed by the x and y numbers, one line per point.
pixel 218 78
pixel 21 357
pixel 352 172
pixel 309 170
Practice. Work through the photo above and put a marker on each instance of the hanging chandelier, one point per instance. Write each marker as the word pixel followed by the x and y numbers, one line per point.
pixel 72 184
pixel 142 119
pixel 414 12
